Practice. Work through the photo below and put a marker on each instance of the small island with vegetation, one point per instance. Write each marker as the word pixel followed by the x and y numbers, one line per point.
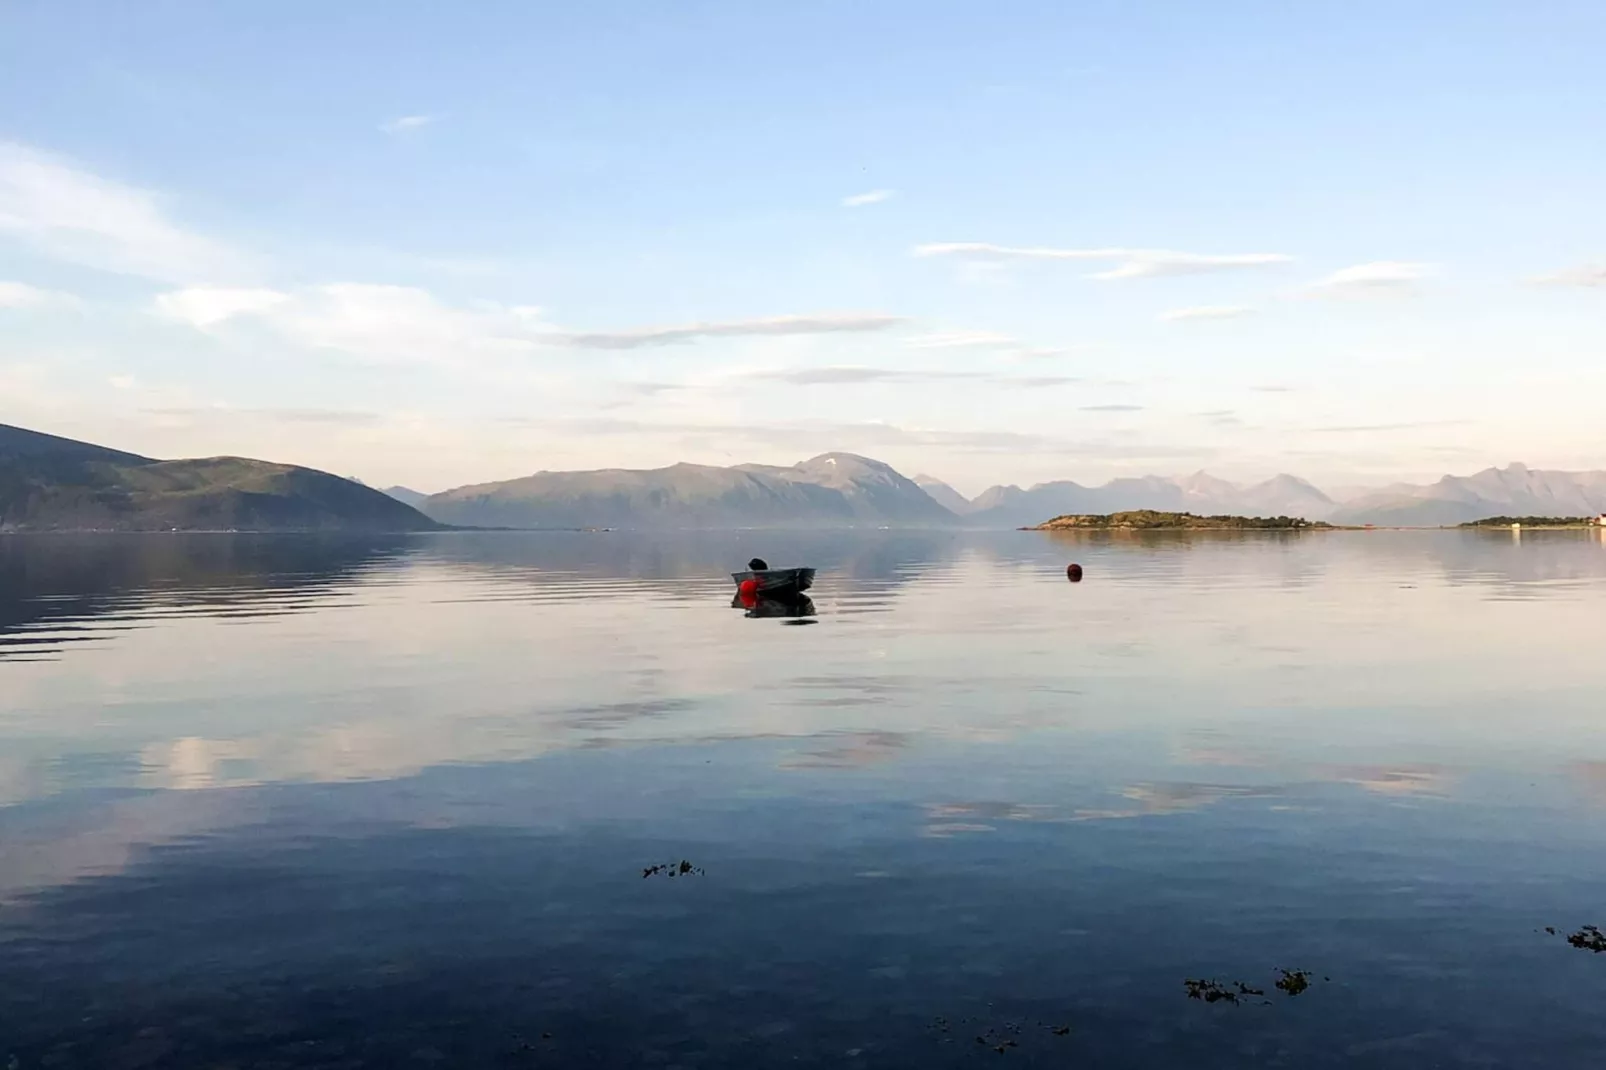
pixel 1533 522
pixel 1154 520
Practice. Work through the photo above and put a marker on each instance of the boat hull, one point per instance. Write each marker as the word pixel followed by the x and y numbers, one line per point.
pixel 778 580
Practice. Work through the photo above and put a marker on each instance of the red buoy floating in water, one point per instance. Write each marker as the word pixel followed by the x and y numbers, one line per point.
pixel 1073 572
pixel 747 588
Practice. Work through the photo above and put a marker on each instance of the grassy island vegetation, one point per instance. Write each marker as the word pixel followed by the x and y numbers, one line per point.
pixel 1532 522
pixel 1154 520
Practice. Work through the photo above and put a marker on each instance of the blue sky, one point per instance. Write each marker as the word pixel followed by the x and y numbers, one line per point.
pixel 999 243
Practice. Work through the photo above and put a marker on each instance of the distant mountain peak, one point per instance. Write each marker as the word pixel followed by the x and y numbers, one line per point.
pixel 1202 482
pixel 831 488
pixel 1515 490
pixel 838 459
pixel 408 495
pixel 944 495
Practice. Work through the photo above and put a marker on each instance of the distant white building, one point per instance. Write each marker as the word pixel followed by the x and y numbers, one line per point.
pixel 1601 520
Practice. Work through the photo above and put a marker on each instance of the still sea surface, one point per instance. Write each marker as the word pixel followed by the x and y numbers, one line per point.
pixel 318 802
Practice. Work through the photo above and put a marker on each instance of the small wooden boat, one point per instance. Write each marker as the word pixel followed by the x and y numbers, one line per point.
pixel 778 580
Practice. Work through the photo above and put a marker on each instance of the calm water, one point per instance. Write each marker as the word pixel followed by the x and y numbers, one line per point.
pixel 296 802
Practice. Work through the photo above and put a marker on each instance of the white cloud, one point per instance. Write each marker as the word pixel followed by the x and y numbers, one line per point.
pixel 1207 312
pixel 1583 275
pixel 1377 275
pixel 205 306
pixel 875 196
pixel 774 325
pixel 72 215
pixel 123 382
pixel 21 295
pixel 1130 263
pixel 405 123
pixel 378 322
pixel 405 323
pixel 961 340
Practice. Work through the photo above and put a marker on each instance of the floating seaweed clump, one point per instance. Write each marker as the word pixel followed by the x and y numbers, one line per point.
pixel 1216 992
pixel 1289 982
pixel 1293 982
pixel 1589 938
pixel 682 868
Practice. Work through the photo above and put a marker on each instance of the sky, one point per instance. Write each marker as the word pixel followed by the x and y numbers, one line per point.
pixel 438 244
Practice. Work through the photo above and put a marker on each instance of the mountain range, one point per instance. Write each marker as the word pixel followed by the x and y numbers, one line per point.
pixel 1200 493
pixel 49 483
pixel 1515 490
pixel 841 489
pixel 52 483
pixel 834 489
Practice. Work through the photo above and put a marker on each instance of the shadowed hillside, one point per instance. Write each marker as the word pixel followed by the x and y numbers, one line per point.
pixel 57 484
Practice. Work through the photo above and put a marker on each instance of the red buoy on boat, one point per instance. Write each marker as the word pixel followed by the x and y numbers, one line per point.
pixel 1073 572
pixel 747 587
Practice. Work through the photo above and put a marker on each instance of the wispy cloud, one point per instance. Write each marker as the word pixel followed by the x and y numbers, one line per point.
pixel 1129 263
pixel 384 323
pixel 406 123
pixel 689 332
pixel 847 373
pixel 875 196
pixel 69 214
pixel 1039 380
pixel 325 417
pixel 1376 276
pixel 648 389
pixel 1008 346
pixel 1583 275
pixel 961 340
pixel 1411 425
pixel 806 435
pixel 1112 408
pixel 21 295
pixel 403 322
pixel 1207 312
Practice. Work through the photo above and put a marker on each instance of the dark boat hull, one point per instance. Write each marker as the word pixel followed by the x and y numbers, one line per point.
pixel 778 580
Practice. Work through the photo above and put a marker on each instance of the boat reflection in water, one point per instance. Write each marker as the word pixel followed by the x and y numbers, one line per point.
pixel 798 607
